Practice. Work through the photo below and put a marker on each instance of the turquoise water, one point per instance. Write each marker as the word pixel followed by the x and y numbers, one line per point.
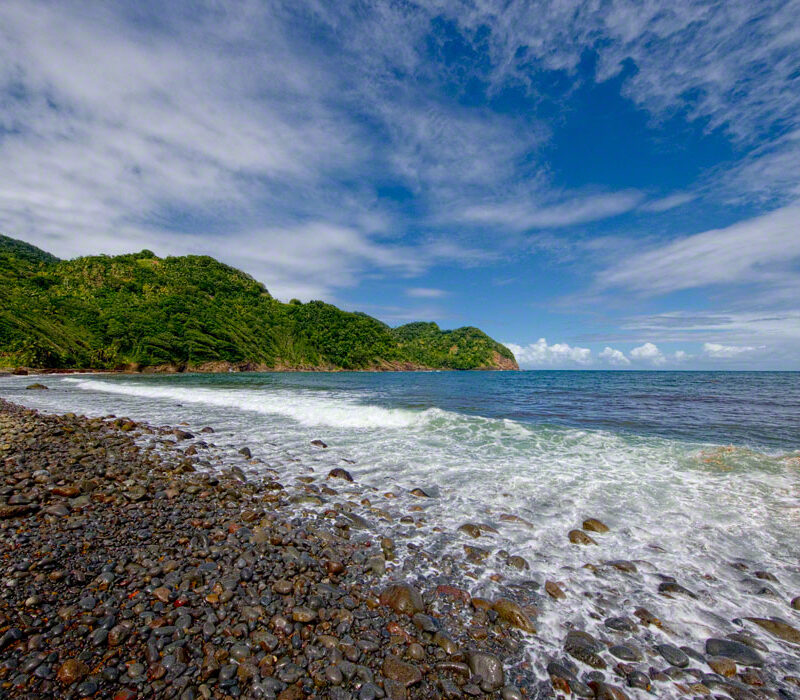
pixel 693 472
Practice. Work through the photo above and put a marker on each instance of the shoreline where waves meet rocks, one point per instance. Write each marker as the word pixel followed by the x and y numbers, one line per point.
pixel 132 568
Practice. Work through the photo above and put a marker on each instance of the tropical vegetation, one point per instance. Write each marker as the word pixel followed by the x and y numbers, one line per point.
pixel 192 312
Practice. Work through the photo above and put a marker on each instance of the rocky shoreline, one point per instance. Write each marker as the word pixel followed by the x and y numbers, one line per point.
pixel 131 569
pixel 126 574
pixel 224 367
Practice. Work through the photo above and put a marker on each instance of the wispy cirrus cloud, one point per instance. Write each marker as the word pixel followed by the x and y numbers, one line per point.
pixel 425 292
pixel 669 202
pixel 755 250
pixel 521 214
pixel 732 327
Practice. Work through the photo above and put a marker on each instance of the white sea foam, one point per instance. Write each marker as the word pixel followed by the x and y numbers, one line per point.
pixel 306 408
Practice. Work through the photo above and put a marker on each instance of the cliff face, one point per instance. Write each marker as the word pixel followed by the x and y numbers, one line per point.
pixel 501 362
pixel 139 311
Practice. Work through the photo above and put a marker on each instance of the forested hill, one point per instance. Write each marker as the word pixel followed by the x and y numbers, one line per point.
pixel 182 313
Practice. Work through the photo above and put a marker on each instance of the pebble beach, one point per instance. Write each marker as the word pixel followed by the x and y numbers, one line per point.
pixel 131 570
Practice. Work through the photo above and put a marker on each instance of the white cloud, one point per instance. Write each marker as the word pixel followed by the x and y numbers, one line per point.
pixel 736 327
pixel 559 354
pixel 753 250
pixel 221 134
pixel 522 213
pixel 669 202
pixel 718 351
pixel 614 357
pixel 425 292
pixel 731 64
pixel 648 353
pixel 232 132
pixel 681 356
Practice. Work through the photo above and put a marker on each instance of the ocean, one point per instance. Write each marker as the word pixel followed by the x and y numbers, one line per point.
pixel 696 474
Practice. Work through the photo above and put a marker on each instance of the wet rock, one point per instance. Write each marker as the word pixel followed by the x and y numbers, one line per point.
pixel 606 691
pixel 518 562
pixel 454 593
pixel 511 692
pixel 318 443
pixel 585 648
pixel 36 387
pixel 627 567
pixel 476 555
pixel 637 679
pixel 355 520
pixel 450 690
pixel 396 670
pixel 333 675
pixel 425 623
pixel 339 473
pixel 377 565
pixel 71 671
pixel 470 529
pixel 777 628
pixel 647 617
pixel 580 537
pixel 564 680
pixel 419 493
pixel 136 493
pixel 402 598
pixel 245 452
pixel 672 655
pixel 621 624
pixel 723 666
pixel 738 652
pixel 283 587
pixel 162 593
pixel 671 587
pixel 625 652
pixel 415 651
pixel 511 518
pixel 20 511
pixel 304 615
pixel 489 668
pixel 594 525
pixel 444 642
pixel 766 576
pixel 749 640
pixel 554 590
pixel 118 634
pixel 513 614
pixel 692 654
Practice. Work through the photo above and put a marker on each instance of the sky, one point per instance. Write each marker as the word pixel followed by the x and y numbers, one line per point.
pixel 605 184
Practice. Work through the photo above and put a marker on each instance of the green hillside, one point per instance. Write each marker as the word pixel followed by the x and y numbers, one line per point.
pixel 193 312
pixel 26 251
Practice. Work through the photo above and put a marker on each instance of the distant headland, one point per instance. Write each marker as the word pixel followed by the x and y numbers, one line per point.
pixel 139 312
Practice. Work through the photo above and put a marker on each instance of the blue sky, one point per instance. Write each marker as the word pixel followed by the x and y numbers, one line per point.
pixel 606 184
